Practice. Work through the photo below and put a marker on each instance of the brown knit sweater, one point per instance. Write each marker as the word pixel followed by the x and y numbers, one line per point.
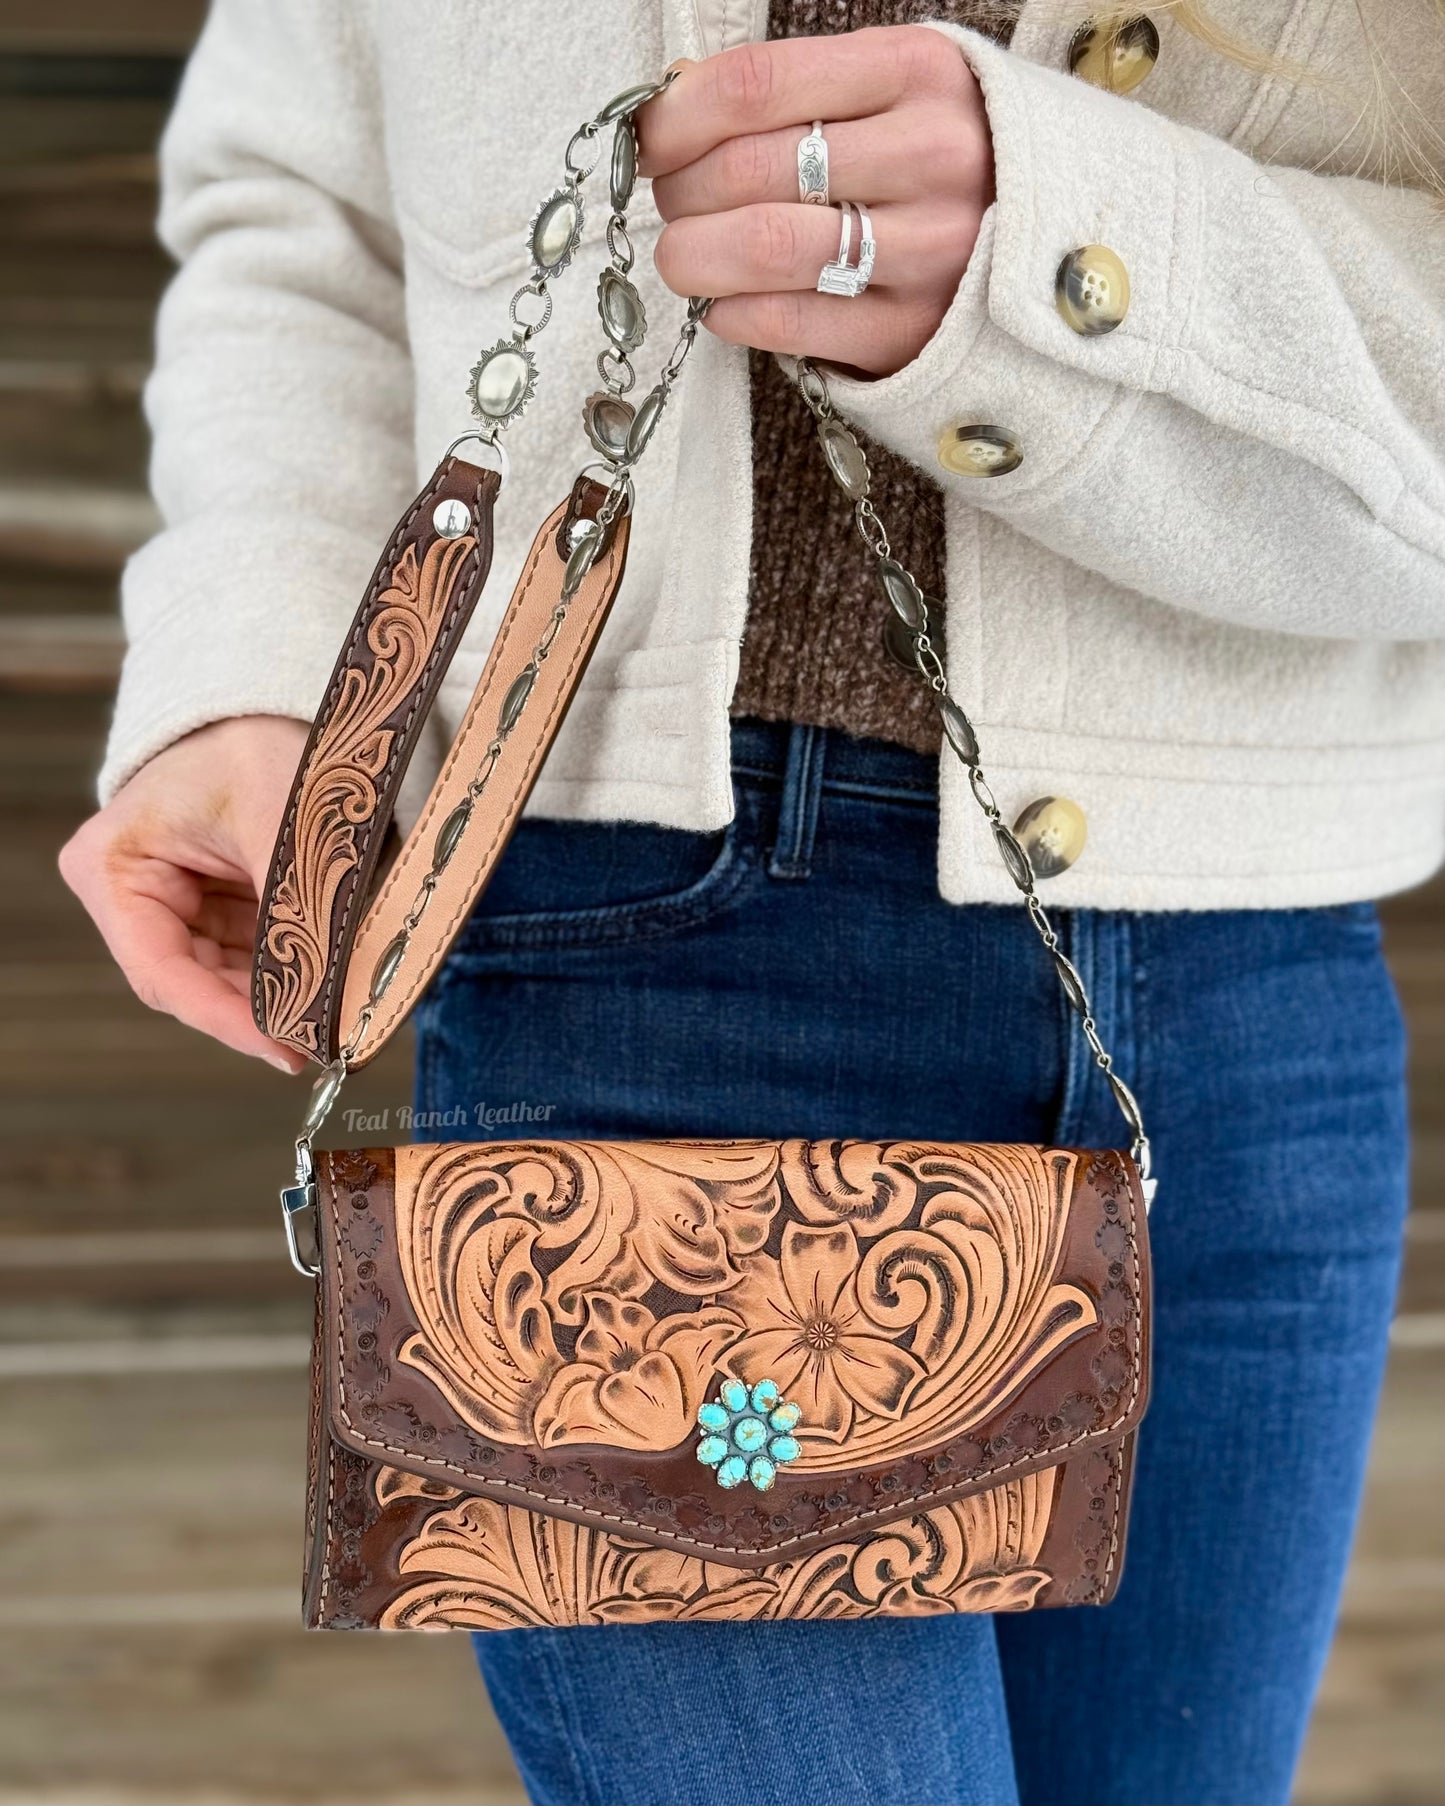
pixel 812 650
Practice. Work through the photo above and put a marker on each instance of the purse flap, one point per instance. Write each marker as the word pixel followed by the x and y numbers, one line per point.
pixel 869 1329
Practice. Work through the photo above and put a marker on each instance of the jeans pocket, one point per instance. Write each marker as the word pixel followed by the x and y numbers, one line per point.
pixel 579 884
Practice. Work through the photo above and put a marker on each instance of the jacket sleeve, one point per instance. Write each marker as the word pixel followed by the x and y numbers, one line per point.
pixel 1260 440
pixel 280 404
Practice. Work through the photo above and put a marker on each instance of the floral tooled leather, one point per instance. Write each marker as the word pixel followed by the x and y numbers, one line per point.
pixel 401 640
pixel 496 1323
pixel 400 1552
pixel 957 1255
pixel 477 1565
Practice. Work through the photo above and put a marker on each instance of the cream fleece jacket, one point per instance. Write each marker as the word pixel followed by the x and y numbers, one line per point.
pixel 1209 606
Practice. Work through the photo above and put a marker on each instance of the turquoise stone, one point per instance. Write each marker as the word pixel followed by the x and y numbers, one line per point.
pixel 750 1433
pixel 747 1433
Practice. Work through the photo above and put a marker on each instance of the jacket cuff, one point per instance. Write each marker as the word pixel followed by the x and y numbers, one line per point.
pixel 258 639
pixel 1074 165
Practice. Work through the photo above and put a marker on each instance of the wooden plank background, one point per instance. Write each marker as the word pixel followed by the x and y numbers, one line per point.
pixel 151 1342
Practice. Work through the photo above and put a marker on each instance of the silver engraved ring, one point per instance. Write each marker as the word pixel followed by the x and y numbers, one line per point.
pixel 813 166
pixel 843 277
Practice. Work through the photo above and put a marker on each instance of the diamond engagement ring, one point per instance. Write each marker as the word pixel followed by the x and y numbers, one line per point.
pixel 843 277
pixel 813 166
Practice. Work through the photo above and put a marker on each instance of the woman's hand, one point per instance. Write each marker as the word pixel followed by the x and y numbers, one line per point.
pixel 907 135
pixel 171 871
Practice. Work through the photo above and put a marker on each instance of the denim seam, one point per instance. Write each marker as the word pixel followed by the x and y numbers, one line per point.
pixel 792 854
pixel 921 794
pixel 1124 1044
pixel 612 924
pixel 587 1787
pixel 1081 947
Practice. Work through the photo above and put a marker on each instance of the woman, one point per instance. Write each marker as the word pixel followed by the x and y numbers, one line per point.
pixel 1146 377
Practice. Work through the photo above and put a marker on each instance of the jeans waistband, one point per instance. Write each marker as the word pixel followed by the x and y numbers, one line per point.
pixel 767 749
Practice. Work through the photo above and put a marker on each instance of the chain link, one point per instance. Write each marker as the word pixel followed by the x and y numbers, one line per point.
pixel 527 329
pixel 959 734
pixel 616 502
pixel 623 256
pixel 585 134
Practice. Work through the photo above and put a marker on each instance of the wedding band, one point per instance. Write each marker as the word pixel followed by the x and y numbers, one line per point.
pixel 867 249
pixel 846 241
pixel 813 166
pixel 843 277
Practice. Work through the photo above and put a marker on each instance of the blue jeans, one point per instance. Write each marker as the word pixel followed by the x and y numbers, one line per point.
pixel 797 974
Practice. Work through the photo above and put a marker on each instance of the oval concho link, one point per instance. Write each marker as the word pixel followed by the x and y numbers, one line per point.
pixel 958 732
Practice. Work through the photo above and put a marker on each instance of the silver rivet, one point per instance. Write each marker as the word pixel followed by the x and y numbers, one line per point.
pixel 451 518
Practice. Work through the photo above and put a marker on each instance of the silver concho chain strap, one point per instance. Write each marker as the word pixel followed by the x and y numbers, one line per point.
pixel 503 381
pixel 848 466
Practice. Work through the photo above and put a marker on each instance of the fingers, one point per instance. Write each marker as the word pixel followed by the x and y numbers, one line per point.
pixel 225 921
pixel 899 156
pixel 171 868
pixel 792 81
pixel 872 332
pixel 144 908
pixel 775 247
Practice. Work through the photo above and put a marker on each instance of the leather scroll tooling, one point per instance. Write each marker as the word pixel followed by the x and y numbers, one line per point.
pixel 516 1339
pixel 402 639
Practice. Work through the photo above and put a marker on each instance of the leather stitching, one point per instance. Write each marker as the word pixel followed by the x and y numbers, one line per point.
pixel 338 965
pixel 883 1513
pixel 463 586
pixel 423 973
pixel 328 707
pixel 1114 1525
pixel 330 1526
pixel 432 806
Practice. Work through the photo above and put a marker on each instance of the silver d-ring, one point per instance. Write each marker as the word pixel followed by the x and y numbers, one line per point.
pixel 504 463
pixel 813 166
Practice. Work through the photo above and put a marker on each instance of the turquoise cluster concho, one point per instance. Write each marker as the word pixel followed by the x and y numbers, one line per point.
pixel 748 1435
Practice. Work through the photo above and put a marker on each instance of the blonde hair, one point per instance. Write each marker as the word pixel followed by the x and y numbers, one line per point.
pixel 1384 131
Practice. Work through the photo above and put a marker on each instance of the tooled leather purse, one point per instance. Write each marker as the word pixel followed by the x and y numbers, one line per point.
pixel 599 1382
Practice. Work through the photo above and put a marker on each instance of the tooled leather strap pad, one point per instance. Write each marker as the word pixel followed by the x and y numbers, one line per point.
pixel 348 953
pixel 402 638
pixel 519 761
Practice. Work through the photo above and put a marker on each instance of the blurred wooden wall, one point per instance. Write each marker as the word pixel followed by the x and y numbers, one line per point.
pixel 152 1338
